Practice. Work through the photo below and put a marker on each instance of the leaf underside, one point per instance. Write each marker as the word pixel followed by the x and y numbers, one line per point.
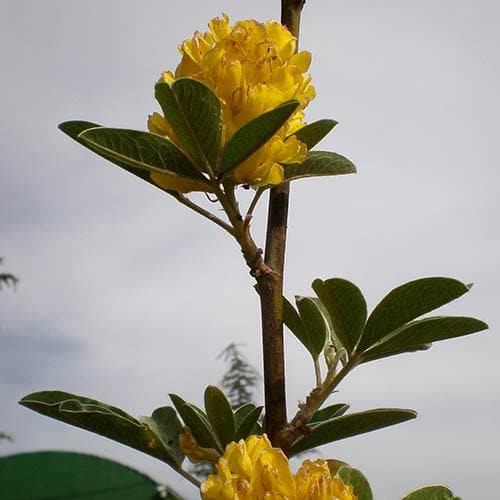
pixel 406 303
pixel 313 133
pixel 319 164
pixel 346 308
pixel 350 425
pixel 106 420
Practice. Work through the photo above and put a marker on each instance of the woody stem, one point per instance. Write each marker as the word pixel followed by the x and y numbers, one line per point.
pixel 271 284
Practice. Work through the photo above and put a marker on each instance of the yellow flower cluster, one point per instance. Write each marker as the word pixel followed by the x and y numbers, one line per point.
pixel 252 67
pixel 254 470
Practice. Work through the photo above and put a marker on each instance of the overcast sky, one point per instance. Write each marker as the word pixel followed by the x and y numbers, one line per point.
pixel 126 296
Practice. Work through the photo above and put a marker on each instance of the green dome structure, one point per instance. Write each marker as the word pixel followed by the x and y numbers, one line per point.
pixel 51 475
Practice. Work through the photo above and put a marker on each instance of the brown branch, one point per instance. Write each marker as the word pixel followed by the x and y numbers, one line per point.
pixel 290 15
pixel 271 283
pixel 299 424
pixel 181 198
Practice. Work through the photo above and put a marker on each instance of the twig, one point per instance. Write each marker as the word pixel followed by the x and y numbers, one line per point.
pixel 298 425
pixel 200 210
pixel 184 473
pixel 317 372
pixel 253 204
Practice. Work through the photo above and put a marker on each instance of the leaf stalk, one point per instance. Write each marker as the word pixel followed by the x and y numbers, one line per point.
pixel 298 425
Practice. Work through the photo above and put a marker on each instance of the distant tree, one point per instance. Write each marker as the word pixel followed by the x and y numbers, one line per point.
pixel 240 385
pixel 240 379
pixel 5 437
pixel 7 279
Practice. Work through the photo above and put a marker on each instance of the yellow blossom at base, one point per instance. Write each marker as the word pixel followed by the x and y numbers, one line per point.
pixel 252 67
pixel 178 183
pixel 254 470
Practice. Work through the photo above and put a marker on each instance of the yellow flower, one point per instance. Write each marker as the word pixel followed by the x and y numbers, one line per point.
pixel 252 67
pixel 254 470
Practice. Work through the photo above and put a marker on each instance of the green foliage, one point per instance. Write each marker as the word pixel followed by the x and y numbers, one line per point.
pixel 142 150
pixel 329 412
pixel 194 113
pixel 314 325
pixel 320 164
pixel 249 424
pixel 157 435
pixel 165 424
pixel 254 134
pixel 392 328
pixel 418 335
pixel 294 323
pixel 220 415
pixel 219 424
pixel 357 480
pixel 308 324
pixel 345 426
pixel 73 129
pixel 197 421
pixel 346 308
pixel 431 493
pixel 406 303
pixel 242 412
pixel 314 132
pixel 140 168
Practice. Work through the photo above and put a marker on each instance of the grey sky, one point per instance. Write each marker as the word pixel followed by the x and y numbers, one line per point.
pixel 126 296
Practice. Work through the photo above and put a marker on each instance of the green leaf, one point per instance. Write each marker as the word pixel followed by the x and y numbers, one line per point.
pixel 74 128
pixel 313 133
pixel 143 150
pixel 194 113
pixel 311 327
pixel 346 307
pixel 425 331
pixel 314 325
pixel 358 481
pixel 367 357
pixel 332 338
pixel 165 424
pixel 406 303
pixel 431 493
pixel 248 424
pixel 329 412
pixel 293 322
pixel 102 419
pixel 241 412
pixel 350 425
pixel 255 134
pixel 318 164
pixel 334 465
pixel 220 414
pixel 194 418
